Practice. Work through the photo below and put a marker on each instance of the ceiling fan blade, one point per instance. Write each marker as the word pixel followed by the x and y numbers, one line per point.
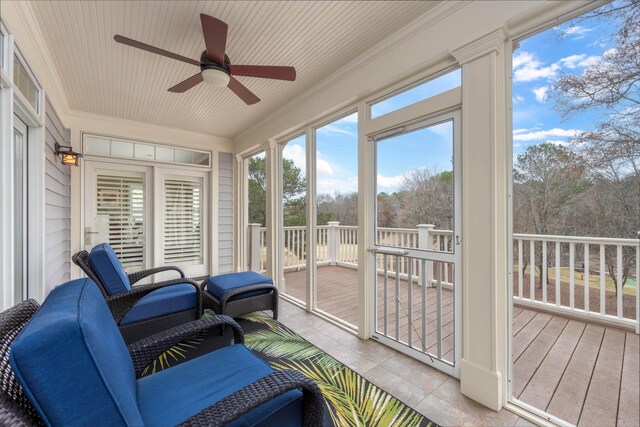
pixel 245 94
pixel 153 49
pixel 215 37
pixel 264 71
pixel 187 84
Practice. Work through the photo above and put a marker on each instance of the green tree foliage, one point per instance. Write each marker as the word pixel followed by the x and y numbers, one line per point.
pixel 294 185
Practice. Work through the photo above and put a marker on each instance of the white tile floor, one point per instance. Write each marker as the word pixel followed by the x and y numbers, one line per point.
pixel 427 390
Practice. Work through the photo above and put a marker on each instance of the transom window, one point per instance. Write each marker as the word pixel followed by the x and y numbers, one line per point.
pixel 416 93
pixel 25 83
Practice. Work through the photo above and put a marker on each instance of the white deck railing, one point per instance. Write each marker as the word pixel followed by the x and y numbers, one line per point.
pixel 571 261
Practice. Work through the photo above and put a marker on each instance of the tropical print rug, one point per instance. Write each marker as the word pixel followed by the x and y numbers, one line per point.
pixel 350 399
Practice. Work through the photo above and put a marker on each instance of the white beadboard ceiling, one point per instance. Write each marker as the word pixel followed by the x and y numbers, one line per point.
pixel 104 77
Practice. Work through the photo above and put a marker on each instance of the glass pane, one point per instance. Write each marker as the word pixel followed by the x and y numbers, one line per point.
pixel 337 218
pixel 414 188
pixel 120 217
pixel 417 93
pixel 24 83
pixel 294 194
pixel 258 211
pixel 19 190
pixel 183 221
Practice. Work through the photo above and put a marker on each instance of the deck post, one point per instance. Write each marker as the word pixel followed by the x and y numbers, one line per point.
pixel 333 242
pixel 425 241
pixel 254 247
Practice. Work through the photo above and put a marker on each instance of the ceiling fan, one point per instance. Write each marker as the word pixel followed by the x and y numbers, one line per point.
pixel 215 67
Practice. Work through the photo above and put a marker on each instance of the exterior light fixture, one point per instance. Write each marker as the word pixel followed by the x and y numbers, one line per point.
pixel 67 155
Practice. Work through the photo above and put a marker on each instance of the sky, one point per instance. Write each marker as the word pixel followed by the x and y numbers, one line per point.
pixel 537 63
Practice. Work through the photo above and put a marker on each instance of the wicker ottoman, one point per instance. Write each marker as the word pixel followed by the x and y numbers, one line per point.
pixel 235 294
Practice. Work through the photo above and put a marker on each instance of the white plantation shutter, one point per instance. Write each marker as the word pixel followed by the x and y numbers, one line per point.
pixel 120 202
pixel 182 211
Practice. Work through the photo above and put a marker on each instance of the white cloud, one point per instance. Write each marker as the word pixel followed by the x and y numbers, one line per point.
pixel 517 99
pixel 527 68
pixel 521 130
pixel 390 181
pixel 572 61
pixel 334 186
pixel 541 93
pixel 589 61
pixel 295 153
pixel 353 118
pixel 538 135
pixel 334 128
pixel 576 32
pixel 323 167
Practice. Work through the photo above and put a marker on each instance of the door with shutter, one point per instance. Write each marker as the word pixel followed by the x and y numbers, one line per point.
pixel 118 204
pixel 182 215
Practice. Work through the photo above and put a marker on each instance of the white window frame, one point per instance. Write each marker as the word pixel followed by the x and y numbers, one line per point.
pixel 13 102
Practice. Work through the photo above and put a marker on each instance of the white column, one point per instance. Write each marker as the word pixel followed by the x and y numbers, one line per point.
pixel 333 242
pixel 483 368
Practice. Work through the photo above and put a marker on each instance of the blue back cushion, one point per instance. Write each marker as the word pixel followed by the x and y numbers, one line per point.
pixel 73 363
pixel 108 268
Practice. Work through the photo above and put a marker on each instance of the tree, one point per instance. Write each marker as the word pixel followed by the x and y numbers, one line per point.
pixel 428 199
pixel 547 178
pixel 612 148
pixel 294 185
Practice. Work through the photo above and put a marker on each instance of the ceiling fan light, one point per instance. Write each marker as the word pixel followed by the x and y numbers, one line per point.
pixel 215 77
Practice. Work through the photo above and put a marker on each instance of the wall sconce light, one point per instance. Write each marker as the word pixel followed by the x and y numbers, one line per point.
pixel 67 155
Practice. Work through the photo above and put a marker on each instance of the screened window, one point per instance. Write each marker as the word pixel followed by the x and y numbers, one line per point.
pixel 417 93
pixel 183 220
pixel 24 83
pixel 121 210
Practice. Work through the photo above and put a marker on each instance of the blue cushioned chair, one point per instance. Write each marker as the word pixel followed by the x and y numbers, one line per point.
pixel 76 370
pixel 140 310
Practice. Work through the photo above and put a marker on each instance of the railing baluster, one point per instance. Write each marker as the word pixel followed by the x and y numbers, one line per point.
pixel 602 281
pixel 572 274
pixel 532 270
pixel 638 290
pixel 544 272
pixel 409 302
pixel 397 298
pixel 424 307
pixel 386 297
pixel 558 284
pixel 520 272
pixel 619 280
pixel 439 309
pixel 587 281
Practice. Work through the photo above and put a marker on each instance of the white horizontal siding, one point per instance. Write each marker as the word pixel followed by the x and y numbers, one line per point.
pixel 225 213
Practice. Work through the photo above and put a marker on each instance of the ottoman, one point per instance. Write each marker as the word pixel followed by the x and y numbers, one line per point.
pixel 235 294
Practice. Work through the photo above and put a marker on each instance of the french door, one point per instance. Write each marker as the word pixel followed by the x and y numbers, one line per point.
pixel 118 200
pixel 417 240
pixel 151 216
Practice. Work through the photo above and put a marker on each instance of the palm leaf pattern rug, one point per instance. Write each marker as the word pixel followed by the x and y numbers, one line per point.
pixel 350 399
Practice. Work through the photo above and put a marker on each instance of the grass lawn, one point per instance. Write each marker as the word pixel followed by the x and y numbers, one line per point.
pixel 594 279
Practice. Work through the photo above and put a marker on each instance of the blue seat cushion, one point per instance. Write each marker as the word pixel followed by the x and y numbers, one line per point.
pixel 109 270
pixel 72 362
pixel 218 286
pixel 171 396
pixel 163 301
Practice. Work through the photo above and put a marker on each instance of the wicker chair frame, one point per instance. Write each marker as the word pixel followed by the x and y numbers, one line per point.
pixel 121 303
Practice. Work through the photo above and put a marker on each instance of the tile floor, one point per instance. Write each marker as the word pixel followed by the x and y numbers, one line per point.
pixel 429 391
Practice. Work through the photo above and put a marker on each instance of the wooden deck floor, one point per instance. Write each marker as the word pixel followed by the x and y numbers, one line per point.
pixel 337 294
pixel 584 373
